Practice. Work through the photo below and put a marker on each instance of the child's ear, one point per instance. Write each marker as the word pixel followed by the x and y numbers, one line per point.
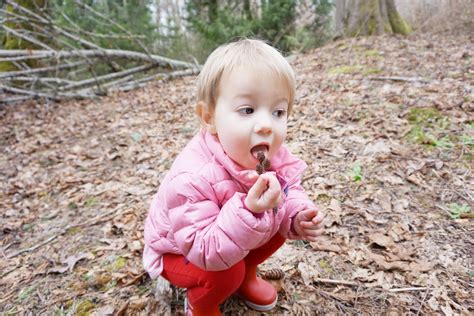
pixel 206 117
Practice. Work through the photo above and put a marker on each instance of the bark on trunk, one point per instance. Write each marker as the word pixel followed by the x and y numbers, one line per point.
pixel 368 17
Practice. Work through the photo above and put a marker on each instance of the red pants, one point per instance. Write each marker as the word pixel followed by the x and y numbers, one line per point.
pixel 207 289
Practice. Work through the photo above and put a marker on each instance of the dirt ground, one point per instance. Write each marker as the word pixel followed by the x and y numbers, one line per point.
pixel 385 125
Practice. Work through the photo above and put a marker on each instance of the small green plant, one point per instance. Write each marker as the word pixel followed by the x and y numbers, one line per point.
pixel 91 201
pixel 137 137
pixel 356 172
pixel 457 210
pixel 25 293
pixel 467 140
pixel 443 143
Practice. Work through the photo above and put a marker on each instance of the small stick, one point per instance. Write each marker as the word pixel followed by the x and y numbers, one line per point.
pixel 396 78
pixel 262 167
pixel 408 289
pixel 341 282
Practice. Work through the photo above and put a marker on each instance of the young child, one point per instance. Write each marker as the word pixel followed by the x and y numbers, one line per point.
pixel 214 218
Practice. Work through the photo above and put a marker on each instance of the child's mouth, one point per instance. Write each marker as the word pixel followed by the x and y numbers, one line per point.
pixel 259 148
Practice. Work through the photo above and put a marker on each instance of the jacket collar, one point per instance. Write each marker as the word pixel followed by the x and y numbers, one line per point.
pixel 286 166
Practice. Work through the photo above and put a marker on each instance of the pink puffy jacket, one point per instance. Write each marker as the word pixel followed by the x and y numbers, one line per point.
pixel 199 211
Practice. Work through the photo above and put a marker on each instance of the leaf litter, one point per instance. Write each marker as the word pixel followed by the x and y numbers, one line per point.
pixel 77 177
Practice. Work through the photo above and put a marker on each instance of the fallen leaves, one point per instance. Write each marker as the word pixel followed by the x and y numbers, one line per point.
pixel 70 262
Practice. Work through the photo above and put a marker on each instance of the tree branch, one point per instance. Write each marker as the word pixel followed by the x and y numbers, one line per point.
pixel 131 55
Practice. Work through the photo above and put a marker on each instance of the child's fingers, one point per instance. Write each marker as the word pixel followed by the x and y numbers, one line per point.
pixel 307 215
pixel 274 188
pixel 311 238
pixel 253 176
pixel 308 225
pixel 320 225
pixel 259 187
pixel 318 218
pixel 314 232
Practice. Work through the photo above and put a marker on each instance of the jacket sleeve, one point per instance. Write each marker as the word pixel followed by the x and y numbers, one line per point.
pixel 212 237
pixel 296 201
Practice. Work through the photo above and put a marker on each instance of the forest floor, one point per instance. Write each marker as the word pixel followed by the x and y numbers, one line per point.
pixel 385 125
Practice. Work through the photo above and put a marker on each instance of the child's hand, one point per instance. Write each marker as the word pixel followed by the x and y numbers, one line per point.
pixel 264 194
pixel 309 224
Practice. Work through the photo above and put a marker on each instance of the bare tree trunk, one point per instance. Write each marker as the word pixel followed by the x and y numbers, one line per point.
pixel 368 17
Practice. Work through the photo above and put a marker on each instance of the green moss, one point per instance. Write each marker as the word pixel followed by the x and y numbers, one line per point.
pixel 84 307
pixel 344 70
pixel 399 26
pixel 323 198
pixel 10 41
pixel 372 26
pixel 323 264
pixel 91 201
pixel 371 71
pixel 372 53
pixel 118 264
pixel 424 116
pixel 73 231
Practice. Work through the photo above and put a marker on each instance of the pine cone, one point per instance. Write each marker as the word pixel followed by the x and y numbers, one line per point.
pixel 273 274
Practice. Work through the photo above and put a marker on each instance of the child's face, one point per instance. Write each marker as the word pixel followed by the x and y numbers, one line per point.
pixel 251 114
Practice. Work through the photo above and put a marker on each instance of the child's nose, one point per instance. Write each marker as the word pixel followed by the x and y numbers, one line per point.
pixel 263 125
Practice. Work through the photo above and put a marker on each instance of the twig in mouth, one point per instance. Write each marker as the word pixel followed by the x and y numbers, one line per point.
pixel 263 165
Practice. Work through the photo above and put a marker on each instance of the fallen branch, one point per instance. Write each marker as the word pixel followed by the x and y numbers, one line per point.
pixel 395 78
pixel 27 38
pixel 409 289
pixel 338 282
pixel 139 83
pixel 40 70
pixel 111 53
pixel 107 77
pixel 53 96
pixel 63 48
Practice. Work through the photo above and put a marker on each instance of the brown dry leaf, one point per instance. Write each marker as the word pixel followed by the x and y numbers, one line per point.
pixel 137 190
pixel 308 272
pixel 377 148
pixel 70 262
pixel 137 303
pixel 401 205
pixel 104 311
pixel 326 244
pixel 416 179
pixel 382 262
pixel 421 266
pixel 384 200
pixel 381 240
pixel 333 213
pixel 391 180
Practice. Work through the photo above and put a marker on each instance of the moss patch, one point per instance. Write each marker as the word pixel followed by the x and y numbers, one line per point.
pixel 118 264
pixel 345 69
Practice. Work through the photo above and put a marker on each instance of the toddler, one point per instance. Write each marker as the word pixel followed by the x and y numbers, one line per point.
pixel 214 218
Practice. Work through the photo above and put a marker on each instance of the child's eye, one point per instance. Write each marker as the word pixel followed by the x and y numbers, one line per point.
pixel 279 113
pixel 246 111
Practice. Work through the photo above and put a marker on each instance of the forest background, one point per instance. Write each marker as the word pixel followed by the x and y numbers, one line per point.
pixel 189 29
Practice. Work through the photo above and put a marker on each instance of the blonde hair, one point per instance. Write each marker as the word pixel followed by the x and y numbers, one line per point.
pixel 244 52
